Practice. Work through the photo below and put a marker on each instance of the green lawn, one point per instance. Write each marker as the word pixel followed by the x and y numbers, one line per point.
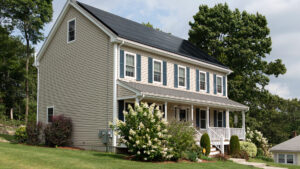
pixel 274 164
pixel 23 156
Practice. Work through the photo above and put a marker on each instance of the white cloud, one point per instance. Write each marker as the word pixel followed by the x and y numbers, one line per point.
pixel 280 89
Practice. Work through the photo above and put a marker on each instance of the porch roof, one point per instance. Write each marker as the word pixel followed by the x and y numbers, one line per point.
pixel 167 94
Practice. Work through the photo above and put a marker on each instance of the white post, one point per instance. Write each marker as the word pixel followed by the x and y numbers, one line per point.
pixel 207 117
pixel 227 125
pixel 166 111
pixel 137 100
pixel 244 125
pixel 192 114
pixel 115 74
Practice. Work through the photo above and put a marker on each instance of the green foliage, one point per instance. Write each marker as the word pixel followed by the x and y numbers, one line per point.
pixel 259 140
pixel 205 143
pixel 33 131
pixel 21 135
pixel 234 145
pixel 59 132
pixel 145 133
pixel 242 42
pixel 260 152
pixel 192 156
pixel 182 138
pixel 249 147
pixel 268 159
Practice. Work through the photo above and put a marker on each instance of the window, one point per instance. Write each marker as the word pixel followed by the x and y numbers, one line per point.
pixel 290 159
pixel 130 65
pixel 181 77
pixel 203 119
pixel 219 84
pixel 220 119
pixel 202 81
pixel 157 71
pixel 50 112
pixel 71 30
pixel 286 158
pixel 182 115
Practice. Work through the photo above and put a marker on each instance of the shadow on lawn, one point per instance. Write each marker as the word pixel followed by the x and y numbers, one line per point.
pixel 7 137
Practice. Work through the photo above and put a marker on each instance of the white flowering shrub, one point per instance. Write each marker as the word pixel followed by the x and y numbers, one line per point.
pixel 144 133
pixel 258 139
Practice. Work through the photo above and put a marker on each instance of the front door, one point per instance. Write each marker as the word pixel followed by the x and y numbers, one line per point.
pixel 182 115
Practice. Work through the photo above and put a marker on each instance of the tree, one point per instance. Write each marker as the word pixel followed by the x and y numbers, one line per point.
pixel 242 42
pixel 29 17
pixel 148 24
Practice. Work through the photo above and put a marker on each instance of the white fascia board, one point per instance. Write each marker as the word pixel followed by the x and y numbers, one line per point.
pixel 173 55
pixel 60 18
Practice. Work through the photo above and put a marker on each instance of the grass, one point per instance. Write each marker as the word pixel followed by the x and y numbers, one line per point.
pixel 23 156
pixel 274 164
pixel 7 137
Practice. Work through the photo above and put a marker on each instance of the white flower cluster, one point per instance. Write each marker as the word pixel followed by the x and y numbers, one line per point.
pixel 145 133
pixel 257 137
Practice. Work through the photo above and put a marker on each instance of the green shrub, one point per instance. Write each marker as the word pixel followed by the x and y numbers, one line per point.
pixel 33 131
pixel 221 157
pixel 234 145
pixel 58 133
pixel 260 152
pixel 21 135
pixel 182 138
pixel 249 147
pixel 268 159
pixel 203 157
pixel 205 143
pixel 192 156
pixel 145 133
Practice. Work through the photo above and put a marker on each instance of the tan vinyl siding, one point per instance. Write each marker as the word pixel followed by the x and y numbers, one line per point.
pixel 122 92
pixel 76 78
pixel 170 71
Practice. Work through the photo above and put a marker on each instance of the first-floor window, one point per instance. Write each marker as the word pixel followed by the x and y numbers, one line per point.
pixel 281 158
pixel 181 76
pixel 219 84
pixel 290 159
pixel 220 119
pixel 203 119
pixel 286 158
pixel 50 114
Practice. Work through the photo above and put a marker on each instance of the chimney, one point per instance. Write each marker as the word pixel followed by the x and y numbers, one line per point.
pixel 294 134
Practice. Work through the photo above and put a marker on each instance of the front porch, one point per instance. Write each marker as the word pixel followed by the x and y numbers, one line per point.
pixel 204 115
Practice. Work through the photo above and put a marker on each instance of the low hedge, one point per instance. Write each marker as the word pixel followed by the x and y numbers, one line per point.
pixel 249 148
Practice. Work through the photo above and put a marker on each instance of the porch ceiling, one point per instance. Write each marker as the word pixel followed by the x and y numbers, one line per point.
pixel 162 93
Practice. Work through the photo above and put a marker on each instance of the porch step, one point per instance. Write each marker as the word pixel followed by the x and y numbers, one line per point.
pixel 214 151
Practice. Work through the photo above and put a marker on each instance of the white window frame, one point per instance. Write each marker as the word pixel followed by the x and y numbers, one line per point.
pixel 74 19
pixel 221 84
pixel 161 71
pixel 47 120
pixel 205 85
pixel 184 76
pixel 285 158
pixel 134 70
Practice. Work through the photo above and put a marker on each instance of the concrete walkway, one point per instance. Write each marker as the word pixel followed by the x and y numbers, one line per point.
pixel 254 164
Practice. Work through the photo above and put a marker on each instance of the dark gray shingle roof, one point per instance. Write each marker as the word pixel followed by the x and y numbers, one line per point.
pixel 292 145
pixel 184 95
pixel 137 32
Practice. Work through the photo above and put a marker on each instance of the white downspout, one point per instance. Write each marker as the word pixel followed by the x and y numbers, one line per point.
pixel 36 64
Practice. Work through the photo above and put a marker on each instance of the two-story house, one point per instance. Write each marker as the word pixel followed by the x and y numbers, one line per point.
pixel 94 63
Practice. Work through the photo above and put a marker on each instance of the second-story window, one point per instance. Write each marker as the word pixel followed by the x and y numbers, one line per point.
pixel 202 81
pixel 71 30
pixel 130 65
pixel 219 84
pixel 157 71
pixel 181 77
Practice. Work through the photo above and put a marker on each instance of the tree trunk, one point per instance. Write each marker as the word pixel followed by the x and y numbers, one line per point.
pixel 26 81
pixel 11 113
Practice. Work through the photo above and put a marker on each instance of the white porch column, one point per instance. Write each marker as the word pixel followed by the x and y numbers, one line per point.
pixel 244 125
pixel 115 102
pixel 137 100
pixel 192 114
pixel 166 111
pixel 228 135
pixel 207 117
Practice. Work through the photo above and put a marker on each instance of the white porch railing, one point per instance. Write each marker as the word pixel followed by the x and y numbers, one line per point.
pixel 228 132
pixel 216 139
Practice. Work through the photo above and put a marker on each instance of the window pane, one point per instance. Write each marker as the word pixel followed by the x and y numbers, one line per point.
pixel 130 65
pixel 71 31
pixel 202 81
pixel 181 72
pixel 220 119
pixel 289 159
pixel 157 71
pixel 157 66
pixel 50 114
pixel 219 84
pixel 181 81
pixel 129 60
pixel 157 76
pixel 181 77
pixel 71 26
pixel 203 124
pixel 281 158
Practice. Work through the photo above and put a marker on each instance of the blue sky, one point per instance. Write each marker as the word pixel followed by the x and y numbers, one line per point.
pixel 173 16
